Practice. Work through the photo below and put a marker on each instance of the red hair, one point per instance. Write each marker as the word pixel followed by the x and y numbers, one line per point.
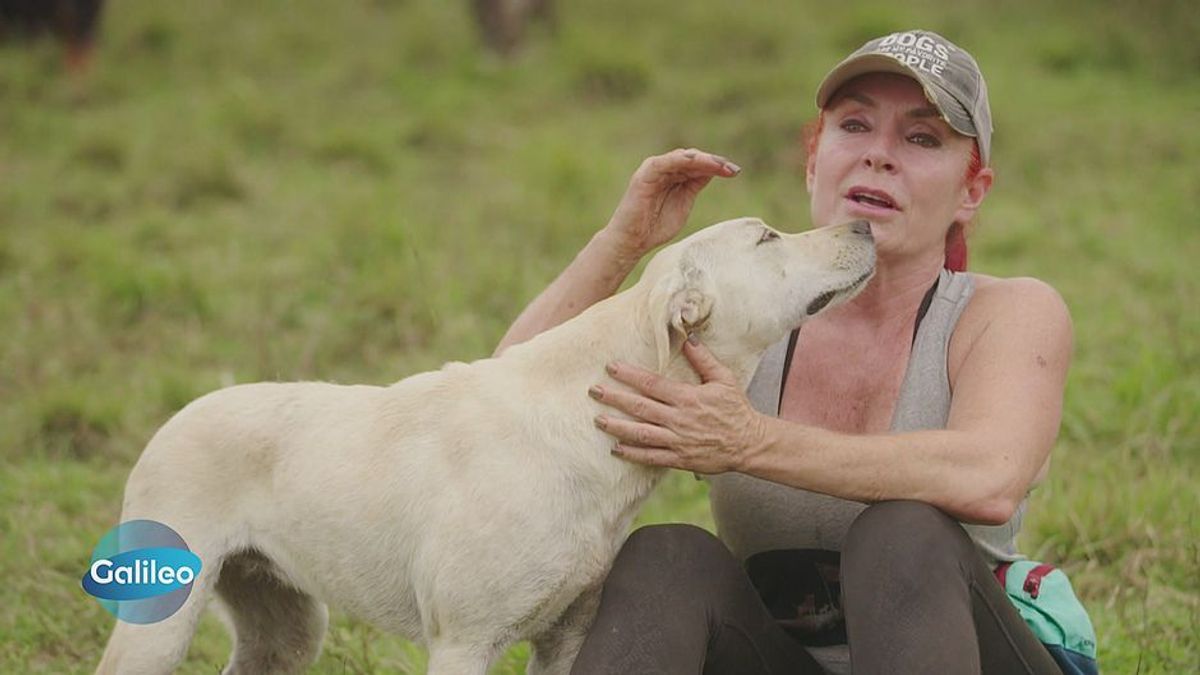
pixel 956 237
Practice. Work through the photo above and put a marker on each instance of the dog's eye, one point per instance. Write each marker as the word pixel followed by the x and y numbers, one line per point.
pixel 767 235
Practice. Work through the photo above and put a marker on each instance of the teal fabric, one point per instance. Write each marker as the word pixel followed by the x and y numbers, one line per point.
pixel 1055 615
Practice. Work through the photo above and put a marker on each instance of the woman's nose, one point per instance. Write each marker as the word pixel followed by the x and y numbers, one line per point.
pixel 879 156
pixel 880 162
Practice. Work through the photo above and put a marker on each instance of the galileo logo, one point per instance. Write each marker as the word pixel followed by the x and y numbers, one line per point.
pixel 141 571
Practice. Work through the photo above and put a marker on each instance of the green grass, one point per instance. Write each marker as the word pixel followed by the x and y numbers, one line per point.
pixel 352 192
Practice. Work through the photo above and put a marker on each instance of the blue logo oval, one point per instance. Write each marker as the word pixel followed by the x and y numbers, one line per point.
pixel 141 571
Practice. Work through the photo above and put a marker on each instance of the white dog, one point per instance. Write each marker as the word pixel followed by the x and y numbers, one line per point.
pixel 466 508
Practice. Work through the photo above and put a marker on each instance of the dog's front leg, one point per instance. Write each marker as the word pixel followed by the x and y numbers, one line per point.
pixel 555 649
pixel 446 658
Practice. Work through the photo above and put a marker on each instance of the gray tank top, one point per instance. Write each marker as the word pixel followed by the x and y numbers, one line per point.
pixel 754 515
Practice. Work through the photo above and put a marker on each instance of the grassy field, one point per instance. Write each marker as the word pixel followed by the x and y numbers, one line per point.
pixel 353 192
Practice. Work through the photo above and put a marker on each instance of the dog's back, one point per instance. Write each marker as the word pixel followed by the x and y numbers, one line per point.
pixel 443 468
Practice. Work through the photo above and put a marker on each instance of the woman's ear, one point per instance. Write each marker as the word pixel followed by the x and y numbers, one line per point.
pixel 974 191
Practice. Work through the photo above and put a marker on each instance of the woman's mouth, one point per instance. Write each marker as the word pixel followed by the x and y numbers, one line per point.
pixel 871 200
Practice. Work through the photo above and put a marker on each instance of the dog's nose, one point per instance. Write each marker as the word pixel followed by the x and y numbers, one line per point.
pixel 861 227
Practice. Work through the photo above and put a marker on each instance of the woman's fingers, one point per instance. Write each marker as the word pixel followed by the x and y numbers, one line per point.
pixel 645 381
pixel 686 163
pixel 660 457
pixel 638 406
pixel 635 433
pixel 705 363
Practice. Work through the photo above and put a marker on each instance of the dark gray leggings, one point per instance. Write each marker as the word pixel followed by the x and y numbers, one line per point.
pixel 918 598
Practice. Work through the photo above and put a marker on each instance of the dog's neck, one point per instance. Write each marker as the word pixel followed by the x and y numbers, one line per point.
pixel 565 361
pixel 620 328
pixel 617 328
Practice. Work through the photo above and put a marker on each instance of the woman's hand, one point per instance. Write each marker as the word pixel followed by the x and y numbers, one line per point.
pixel 706 428
pixel 660 197
pixel 653 210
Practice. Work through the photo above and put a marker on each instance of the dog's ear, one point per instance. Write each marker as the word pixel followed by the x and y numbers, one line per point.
pixel 680 304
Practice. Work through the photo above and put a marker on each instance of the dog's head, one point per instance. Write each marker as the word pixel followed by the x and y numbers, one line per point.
pixel 742 285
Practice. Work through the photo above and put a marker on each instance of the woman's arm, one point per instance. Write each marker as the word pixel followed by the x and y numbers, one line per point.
pixel 653 210
pixel 595 274
pixel 1004 419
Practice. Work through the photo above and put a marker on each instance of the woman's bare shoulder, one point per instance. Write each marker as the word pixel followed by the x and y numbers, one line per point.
pixel 1017 308
pixel 1014 294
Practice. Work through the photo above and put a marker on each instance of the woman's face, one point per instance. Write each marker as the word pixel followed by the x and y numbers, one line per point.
pixel 885 154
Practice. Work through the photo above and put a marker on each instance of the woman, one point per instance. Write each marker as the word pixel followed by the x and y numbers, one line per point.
pixel 933 397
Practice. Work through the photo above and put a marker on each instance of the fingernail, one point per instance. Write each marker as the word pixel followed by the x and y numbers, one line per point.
pixel 600 422
pixel 611 368
pixel 693 338
pixel 733 167
pixel 595 392
pixel 616 451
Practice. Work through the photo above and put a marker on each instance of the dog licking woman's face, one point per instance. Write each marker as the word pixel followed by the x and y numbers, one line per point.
pixel 742 286
pixel 884 154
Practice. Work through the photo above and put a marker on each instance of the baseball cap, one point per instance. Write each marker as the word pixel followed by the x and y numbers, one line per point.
pixel 949 75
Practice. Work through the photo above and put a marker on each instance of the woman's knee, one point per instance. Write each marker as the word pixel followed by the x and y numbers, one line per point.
pixel 904 531
pixel 674 554
pixel 674 544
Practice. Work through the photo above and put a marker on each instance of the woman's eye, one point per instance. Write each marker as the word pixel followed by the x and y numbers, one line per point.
pixel 768 235
pixel 925 140
pixel 853 126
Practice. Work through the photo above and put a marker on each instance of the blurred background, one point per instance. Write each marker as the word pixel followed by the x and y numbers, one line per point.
pixel 198 194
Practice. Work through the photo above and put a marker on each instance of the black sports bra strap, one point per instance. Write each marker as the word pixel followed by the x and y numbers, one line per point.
pixel 924 308
pixel 787 365
pixel 795 336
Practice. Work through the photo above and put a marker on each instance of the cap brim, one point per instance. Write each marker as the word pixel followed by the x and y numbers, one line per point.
pixel 952 111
